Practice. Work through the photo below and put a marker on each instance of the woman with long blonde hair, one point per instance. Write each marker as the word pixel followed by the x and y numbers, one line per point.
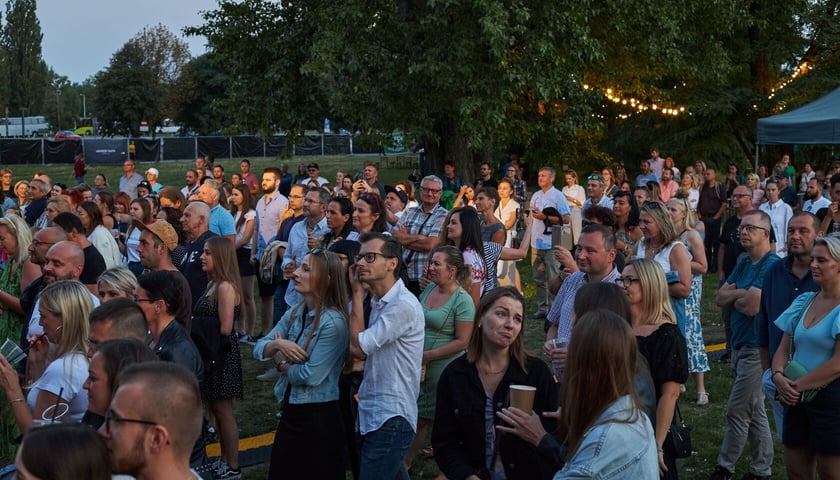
pixel 698 361
pixel 219 305
pixel 309 346
pixel 661 343
pixel 57 364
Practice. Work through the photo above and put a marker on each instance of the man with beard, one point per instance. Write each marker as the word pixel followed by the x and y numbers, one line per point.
pixel 65 261
pixel 814 200
pixel 191 180
pixel 148 435
pixel 270 210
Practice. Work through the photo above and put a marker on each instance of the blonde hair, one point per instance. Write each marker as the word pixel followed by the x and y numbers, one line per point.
pixel 71 301
pixel 656 302
pixel 18 227
pixel 682 205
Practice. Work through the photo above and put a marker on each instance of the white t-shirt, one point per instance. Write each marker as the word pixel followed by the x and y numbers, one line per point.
pixel 240 232
pixel 64 377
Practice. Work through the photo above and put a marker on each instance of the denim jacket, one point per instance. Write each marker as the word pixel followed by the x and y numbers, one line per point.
pixel 616 448
pixel 316 380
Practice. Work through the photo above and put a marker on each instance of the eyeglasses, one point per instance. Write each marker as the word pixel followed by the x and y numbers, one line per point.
pixel 751 228
pixel 313 170
pixel 738 195
pixel 110 415
pixel 307 200
pixel 626 281
pixel 370 257
pixel 138 299
pixel 36 242
pixel 430 190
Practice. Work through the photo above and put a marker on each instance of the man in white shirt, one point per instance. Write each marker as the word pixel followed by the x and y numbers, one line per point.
pixel 314 174
pixel 392 346
pixel 191 181
pixel 814 200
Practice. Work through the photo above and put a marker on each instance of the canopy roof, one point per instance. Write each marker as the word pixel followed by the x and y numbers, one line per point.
pixel 815 123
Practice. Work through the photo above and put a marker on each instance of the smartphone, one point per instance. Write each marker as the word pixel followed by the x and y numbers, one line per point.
pixel 562 235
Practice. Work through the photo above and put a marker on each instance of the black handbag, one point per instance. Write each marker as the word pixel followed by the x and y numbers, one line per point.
pixel 679 436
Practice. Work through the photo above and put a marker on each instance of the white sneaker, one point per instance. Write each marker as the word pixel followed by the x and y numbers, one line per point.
pixel 270 375
pixel 702 398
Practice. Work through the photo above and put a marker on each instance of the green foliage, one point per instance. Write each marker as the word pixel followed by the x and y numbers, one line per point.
pixel 202 82
pixel 26 72
pixel 140 81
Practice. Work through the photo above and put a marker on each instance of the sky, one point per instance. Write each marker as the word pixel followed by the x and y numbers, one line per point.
pixel 81 36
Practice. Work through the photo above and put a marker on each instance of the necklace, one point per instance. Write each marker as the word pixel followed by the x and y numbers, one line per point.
pixel 487 370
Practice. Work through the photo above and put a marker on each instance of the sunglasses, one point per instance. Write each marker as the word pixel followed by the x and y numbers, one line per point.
pixel 371 199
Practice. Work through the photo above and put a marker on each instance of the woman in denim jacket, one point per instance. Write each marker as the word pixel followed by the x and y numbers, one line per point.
pixel 309 346
pixel 606 431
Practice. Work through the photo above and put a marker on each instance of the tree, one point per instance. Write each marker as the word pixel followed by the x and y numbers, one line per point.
pixel 126 91
pixel 138 83
pixel 21 43
pixel 202 83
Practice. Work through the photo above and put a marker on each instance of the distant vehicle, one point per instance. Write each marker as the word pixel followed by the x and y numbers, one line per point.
pixel 24 126
pixel 168 127
pixel 66 135
pixel 86 126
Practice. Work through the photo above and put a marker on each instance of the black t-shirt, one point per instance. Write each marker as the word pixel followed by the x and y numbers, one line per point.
pixel 94 266
pixel 731 237
pixel 481 183
pixel 191 266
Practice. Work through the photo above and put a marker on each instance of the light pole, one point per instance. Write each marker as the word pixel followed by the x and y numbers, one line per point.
pixel 84 105
pixel 58 106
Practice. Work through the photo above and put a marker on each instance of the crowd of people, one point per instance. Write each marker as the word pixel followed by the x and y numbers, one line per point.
pixel 394 314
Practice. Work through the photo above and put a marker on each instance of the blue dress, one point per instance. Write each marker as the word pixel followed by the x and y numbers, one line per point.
pixel 698 361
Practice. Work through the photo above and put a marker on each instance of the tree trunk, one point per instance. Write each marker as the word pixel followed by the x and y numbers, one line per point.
pixel 452 145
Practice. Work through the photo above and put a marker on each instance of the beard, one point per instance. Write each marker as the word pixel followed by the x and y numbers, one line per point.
pixel 130 462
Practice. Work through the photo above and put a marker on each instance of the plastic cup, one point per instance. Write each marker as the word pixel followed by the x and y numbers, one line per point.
pixel 522 397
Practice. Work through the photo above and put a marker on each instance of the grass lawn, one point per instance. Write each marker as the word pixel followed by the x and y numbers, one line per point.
pixel 256 414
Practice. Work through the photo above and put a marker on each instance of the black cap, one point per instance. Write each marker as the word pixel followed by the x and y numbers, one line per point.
pixel 312 165
pixel 398 192
pixel 145 184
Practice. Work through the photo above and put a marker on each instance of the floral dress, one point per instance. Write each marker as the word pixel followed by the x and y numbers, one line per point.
pixel 698 361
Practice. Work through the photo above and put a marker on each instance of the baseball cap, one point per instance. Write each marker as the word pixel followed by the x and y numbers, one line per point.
pixel 398 192
pixel 312 165
pixel 153 171
pixel 145 184
pixel 161 229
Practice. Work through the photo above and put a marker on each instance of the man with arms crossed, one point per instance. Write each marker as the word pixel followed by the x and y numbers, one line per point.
pixel 746 418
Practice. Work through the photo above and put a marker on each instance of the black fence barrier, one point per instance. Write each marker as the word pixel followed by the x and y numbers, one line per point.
pixel 100 151
pixel 179 148
pixel 39 151
pixel 146 149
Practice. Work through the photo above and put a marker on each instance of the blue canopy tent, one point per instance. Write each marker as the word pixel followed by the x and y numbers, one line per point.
pixel 816 123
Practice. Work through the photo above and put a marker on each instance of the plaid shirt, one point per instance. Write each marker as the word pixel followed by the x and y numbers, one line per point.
pixel 418 221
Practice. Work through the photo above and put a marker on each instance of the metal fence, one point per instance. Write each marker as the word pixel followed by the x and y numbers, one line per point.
pixel 21 151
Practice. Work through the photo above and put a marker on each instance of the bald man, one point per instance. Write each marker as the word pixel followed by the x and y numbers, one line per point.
pixel 65 261
pixel 221 221
pixel 195 223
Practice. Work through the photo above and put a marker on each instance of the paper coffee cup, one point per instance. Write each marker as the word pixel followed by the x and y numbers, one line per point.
pixel 522 397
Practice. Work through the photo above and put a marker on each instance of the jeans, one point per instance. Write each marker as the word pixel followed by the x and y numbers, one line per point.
pixel 778 408
pixel 381 452
pixel 745 416
pixel 279 304
pixel 544 267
